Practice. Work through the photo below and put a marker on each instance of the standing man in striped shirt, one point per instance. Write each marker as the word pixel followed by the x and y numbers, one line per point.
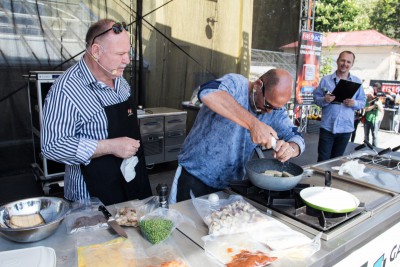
pixel 90 121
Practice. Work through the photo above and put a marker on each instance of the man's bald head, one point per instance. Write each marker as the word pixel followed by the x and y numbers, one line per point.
pixel 278 85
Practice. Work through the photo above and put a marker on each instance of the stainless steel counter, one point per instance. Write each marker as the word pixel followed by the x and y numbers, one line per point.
pixel 188 239
pixel 331 252
pixel 159 111
pixel 65 244
pixel 378 227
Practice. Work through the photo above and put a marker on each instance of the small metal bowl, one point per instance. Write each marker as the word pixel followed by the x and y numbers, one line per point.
pixel 51 209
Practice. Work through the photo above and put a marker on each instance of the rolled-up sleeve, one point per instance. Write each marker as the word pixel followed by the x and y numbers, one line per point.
pixel 86 149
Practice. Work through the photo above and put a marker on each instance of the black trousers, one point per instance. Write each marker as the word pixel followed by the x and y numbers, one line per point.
pixel 189 182
pixel 353 134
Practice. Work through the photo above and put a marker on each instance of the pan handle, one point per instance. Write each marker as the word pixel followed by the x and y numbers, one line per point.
pixel 259 152
pixel 396 148
pixel 369 145
pixel 387 150
pixel 328 178
pixel 359 147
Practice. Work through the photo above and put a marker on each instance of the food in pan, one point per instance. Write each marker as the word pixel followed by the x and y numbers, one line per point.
pixel 22 221
pixel 250 259
pixel 127 217
pixel 277 173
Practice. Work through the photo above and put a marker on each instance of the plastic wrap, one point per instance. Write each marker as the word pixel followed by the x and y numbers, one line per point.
pixel 277 236
pixel 166 254
pixel 250 234
pixel 128 214
pixel 116 252
pixel 352 167
pixel 297 256
pixel 226 249
pixel 84 216
pixel 157 225
pixel 228 216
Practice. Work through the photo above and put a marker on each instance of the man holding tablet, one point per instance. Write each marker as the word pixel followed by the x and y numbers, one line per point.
pixel 337 122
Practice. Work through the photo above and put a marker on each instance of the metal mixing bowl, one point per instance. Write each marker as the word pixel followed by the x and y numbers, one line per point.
pixel 51 209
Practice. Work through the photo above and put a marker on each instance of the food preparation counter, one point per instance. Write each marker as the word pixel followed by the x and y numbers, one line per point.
pixel 372 238
pixel 332 251
pixel 65 245
pixel 189 241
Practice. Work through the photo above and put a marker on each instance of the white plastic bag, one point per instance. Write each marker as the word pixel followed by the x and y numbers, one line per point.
pixel 84 216
pixel 163 255
pixel 277 236
pixel 129 213
pixel 224 248
pixel 352 167
pixel 297 256
pixel 228 215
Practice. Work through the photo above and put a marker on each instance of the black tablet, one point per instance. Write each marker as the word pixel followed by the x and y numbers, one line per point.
pixel 345 90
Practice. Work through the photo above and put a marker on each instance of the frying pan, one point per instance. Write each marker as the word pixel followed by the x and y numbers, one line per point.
pixel 255 171
pixel 329 199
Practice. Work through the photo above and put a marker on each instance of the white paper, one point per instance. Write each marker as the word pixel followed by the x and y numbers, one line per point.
pixel 128 168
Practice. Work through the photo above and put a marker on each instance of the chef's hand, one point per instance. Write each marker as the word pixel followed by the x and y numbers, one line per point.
pixel 349 102
pixel 121 147
pixel 261 134
pixel 329 98
pixel 284 150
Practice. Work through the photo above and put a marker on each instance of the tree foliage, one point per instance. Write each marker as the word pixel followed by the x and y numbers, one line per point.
pixel 339 15
pixel 326 62
pixel 352 15
pixel 385 18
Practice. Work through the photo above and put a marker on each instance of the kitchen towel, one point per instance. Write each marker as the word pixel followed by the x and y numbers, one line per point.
pixel 128 168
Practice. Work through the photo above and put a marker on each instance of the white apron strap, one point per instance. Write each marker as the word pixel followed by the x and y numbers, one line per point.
pixel 174 187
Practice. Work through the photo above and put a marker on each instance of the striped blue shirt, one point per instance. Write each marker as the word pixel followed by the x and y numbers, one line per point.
pixel 74 120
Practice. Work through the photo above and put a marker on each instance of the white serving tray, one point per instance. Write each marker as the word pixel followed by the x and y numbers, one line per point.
pixel 35 257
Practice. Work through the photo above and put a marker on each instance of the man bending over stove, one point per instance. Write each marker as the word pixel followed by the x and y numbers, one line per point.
pixel 236 116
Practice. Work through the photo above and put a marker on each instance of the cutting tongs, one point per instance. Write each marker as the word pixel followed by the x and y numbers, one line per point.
pixel 378 155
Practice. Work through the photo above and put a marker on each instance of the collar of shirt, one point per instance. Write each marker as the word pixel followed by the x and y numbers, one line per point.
pixel 90 79
pixel 335 77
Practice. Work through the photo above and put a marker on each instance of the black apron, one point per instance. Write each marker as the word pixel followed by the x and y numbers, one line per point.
pixel 103 176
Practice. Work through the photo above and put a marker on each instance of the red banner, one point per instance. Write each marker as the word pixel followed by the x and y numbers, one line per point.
pixel 308 66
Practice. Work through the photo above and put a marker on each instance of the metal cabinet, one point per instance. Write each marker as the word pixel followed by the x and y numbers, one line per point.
pixel 163 132
pixel 39 83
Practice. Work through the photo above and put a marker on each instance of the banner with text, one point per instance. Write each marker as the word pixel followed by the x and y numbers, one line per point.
pixel 308 66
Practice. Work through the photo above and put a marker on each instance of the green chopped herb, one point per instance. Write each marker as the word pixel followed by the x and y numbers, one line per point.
pixel 156 230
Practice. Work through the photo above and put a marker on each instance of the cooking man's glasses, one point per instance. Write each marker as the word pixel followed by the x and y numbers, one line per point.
pixel 117 28
pixel 266 104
